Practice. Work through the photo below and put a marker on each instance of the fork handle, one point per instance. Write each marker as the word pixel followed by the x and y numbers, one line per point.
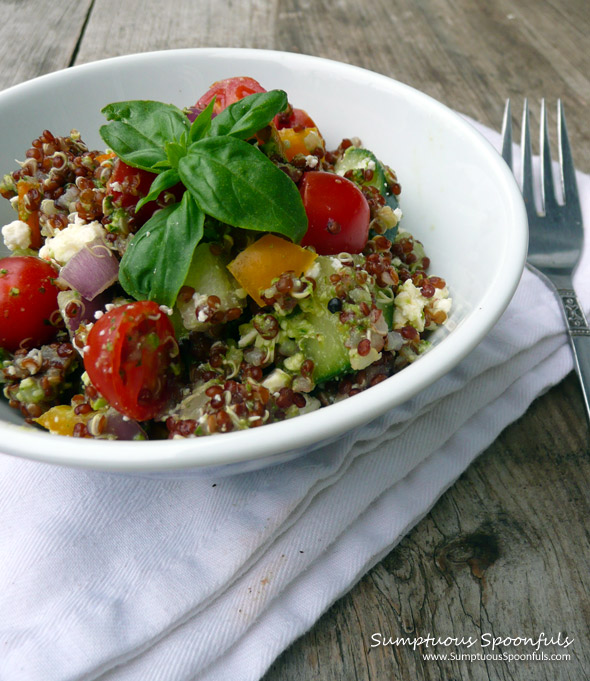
pixel 579 334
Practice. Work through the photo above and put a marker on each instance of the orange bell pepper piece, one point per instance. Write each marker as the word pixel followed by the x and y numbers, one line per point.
pixel 300 141
pixel 30 217
pixel 104 157
pixel 257 266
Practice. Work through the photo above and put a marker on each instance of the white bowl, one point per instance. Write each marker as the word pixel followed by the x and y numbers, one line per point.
pixel 458 198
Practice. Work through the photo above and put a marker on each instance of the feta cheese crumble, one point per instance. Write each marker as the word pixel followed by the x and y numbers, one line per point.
pixel 314 270
pixel 16 234
pixel 409 307
pixel 440 301
pixel 69 241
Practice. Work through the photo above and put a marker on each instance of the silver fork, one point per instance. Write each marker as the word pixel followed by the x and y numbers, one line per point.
pixel 556 235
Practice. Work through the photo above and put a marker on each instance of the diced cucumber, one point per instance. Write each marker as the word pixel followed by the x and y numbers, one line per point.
pixel 417 251
pixel 392 201
pixel 319 333
pixel 326 347
pixel 208 276
pixel 358 160
pixel 385 302
pixel 208 273
pixel 329 322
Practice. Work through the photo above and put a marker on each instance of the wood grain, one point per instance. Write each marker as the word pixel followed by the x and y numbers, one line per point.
pixel 506 549
pixel 469 55
pixel 39 36
pixel 113 27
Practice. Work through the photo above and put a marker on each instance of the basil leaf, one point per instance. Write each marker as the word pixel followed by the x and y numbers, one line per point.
pixel 247 116
pixel 140 130
pixel 236 183
pixel 157 260
pixel 160 166
pixel 202 123
pixel 132 147
pixel 163 181
pixel 175 151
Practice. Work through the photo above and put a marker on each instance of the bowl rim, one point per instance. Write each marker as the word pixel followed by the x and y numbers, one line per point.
pixel 312 428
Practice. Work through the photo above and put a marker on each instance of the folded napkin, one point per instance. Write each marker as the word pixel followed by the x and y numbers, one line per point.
pixel 122 578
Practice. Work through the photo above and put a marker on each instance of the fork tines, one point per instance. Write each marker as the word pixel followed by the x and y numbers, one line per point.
pixel 569 190
pixel 556 235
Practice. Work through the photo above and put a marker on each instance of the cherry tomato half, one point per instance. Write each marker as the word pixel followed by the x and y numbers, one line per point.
pixel 228 91
pixel 337 212
pixel 28 302
pixel 129 350
pixel 127 185
pixel 295 118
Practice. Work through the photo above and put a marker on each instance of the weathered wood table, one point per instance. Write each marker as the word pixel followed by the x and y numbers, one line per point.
pixel 506 550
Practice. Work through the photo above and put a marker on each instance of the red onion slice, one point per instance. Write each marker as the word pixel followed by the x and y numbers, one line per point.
pixel 92 270
pixel 192 112
pixel 80 309
pixel 122 427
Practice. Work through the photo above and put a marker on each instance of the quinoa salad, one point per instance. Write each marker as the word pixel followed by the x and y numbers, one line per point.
pixel 214 268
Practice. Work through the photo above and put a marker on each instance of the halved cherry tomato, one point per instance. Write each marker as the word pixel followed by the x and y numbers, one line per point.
pixel 28 302
pixel 295 118
pixel 129 351
pixel 228 91
pixel 337 212
pixel 127 185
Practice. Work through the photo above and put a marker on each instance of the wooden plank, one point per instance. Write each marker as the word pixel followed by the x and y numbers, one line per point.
pixel 116 28
pixel 39 36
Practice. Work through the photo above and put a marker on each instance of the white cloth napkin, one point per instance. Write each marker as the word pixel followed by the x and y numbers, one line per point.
pixel 121 578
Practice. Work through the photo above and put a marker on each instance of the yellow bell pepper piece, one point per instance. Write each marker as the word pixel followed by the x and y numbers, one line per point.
pixel 61 420
pixel 299 141
pixel 265 260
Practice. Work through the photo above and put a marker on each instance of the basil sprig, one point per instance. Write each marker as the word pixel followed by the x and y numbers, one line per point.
pixel 225 177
